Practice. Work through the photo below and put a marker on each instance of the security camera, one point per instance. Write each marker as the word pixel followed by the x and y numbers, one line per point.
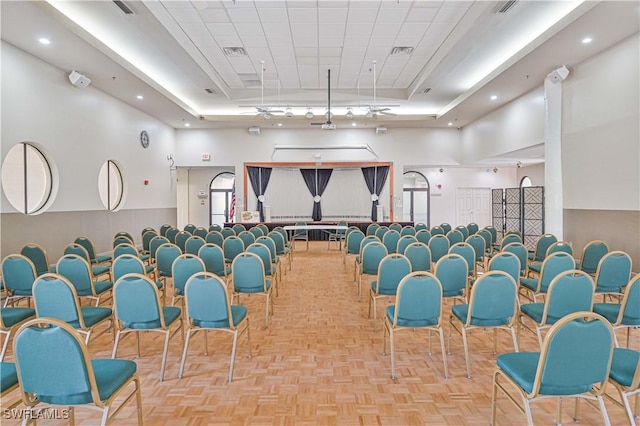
pixel 495 170
pixel 519 164
pixel 441 170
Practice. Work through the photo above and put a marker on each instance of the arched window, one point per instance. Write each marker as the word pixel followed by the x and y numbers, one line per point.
pixel 222 203
pixel 416 199
pixel 525 182
pixel 111 185
pixel 28 178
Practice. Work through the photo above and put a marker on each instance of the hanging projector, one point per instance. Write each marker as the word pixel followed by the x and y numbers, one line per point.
pixel 79 80
pixel 328 126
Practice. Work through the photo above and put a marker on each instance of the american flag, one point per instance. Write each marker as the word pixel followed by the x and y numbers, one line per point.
pixel 232 208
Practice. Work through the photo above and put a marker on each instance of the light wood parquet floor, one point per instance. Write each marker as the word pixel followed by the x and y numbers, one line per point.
pixel 320 362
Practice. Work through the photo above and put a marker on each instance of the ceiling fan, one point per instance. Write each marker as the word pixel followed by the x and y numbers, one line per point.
pixel 327 125
pixel 263 110
pixel 373 110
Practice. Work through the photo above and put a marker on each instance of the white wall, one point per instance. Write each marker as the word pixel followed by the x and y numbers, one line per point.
pixel 535 173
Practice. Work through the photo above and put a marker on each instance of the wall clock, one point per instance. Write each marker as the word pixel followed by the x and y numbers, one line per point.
pixel 144 139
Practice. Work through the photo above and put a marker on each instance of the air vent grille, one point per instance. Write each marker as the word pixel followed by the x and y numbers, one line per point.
pixel 126 9
pixel 234 51
pixel 210 91
pixel 507 6
pixel 402 50
pixel 427 90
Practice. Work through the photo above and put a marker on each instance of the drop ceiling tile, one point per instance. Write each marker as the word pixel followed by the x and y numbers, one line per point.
pixel 413 28
pixel 392 15
pixel 272 29
pixel 269 3
pixel 333 4
pixel 356 41
pixel 243 14
pixel 282 51
pixel 450 14
pixel 242 65
pixel 332 15
pixel 422 14
pixel 307 60
pixel 280 42
pixel 359 29
pixel 258 53
pixel 213 15
pixel 330 51
pixel 330 41
pixel 273 14
pixel 306 51
pixel 407 40
pixel 177 4
pixel 196 30
pixel 233 5
pixel 331 29
pixel 253 40
pixel 248 29
pixel 228 41
pixel 308 40
pixel 329 60
pixel 428 4
pixel 351 51
pixel 369 4
pixel 385 83
pixel 362 15
pixel 184 15
pixel 383 29
pixel 222 29
pixel 303 16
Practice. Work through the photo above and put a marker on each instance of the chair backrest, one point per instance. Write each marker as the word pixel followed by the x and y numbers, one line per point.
pixel 390 240
pixel 78 271
pixel 395 226
pixel 576 356
pixel 164 228
pixel 136 300
pixel 392 269
pixel 201 232
pixel 207 300
pixel 372 228
pixel 232 246
pixel 38 256
pixel 506 262
pixel 372 255
pixel 89 247
pixel 472 228
pixel 215 227
pixel 181 240
pixel 381 231
pixel 439 246
pixel 165 255
pixel 493 299
pixel 446 227
pixel 630 306
pixel 171 234
pixel 247 238
pixel 423 235
pixel 146 240
pixel 520 250
pixel 420 226
pixel 285 235
pixel 463 230
pixel 248 275
pixel 215 237
pixel 353 241
pixel 510 238
pixel 271 245
pixel 569 292
pixel 184 267
pixel 123 248
pixel 18 274
pixel 552 266
pixel 78 250
pixel 55 297
pixel 469 253
pixel 404 241
pixel 478 244
pixel 53 362
pixel 408 230
pixel 452 271
pixel 368 240
pixel 264 253
pixel 418 300
pixel 193 244
pixel 488 239
pixel 213 258
pixel 121 239
pixel 591 255
pixel 493 232
pixel 154 244
pixel 190 228
pixel 126 264
pixel 147 229
pixel 238 228
pixel 257 232
pixel 227 232
pixel 124 234
pixel 614 272
pixel 279 241
pixel 560 246
pixel 437 230
pixel 419 255
pixel 454 236
pixel 264 228
pixel 542 245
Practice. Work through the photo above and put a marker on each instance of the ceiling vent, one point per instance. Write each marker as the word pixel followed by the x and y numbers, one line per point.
pixel 210 91
pixel 250 80
pixel 234 52
pixel 126 9
pixel 506 6
pixel 401 50
pixel 427 90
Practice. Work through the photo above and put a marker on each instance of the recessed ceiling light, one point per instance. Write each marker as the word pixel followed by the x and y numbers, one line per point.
pixel 279 124
pixel 587 40
pixel 187 125
pixel 493 97
pixel 140 97
pixel 354 124
pixel 44 40
pixel 450 124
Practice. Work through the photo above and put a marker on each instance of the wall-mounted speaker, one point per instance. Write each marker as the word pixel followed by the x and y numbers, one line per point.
pixel 78 79
pixel 254 130
pixel 381 130
pixel 558 75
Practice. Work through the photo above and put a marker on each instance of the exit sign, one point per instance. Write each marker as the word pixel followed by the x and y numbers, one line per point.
pixel 205 156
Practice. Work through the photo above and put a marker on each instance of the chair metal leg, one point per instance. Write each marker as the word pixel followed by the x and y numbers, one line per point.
pixel 603 411
pixel 233 355
pixel 115 344
pixel 184 353
pixel 5 344
pixel 206 348
pixel 466 351
pixel 164 353
pixel 393 354
pixel 444 354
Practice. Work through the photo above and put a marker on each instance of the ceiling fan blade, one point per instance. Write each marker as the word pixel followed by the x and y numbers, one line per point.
pixel 317 124
pixel 387 113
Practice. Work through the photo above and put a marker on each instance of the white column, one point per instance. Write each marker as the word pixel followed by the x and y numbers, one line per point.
pixel 553 207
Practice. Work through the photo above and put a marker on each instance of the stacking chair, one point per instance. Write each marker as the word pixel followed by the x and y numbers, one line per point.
pixel 238 228
pixel 418 306
pixel 540 251
pixel 55 297
pixel 281 246
pixel 270 269
pixel 591 255
pixel 372 228
pixel 439 246
pixel 264 228
pixel 452 272
pixel 8 384
pixel 301 234
pixel 215 227
pixel 493 303
pixel 468 252
pixel 473 228
pixel 423 235
pixel 247 238
pixel 574 361
pixel 625 377
pixel 78 271
pixel 506 262
pixel 352 245
pixel 147 229
pixel 552 266
pixel 146 241
pixel 625 314
pixel 153 248
pixel 54 367
pixel 38 256
pixel 171 234
pixel 478 244
pixel 275 259
pixel 508 239
pixel 445 227
pixel 494 234
pixel 257 231
pixel 200 232
pixel 215 237
pixel 232 247
pixel 520 250
pixel 79 250
pixel 570 291
pixel 193 244
pixel 404 241
pixel 121 239
pixel 339 235
pixel 164 229
pixel 392 269
pixel 395 227
pixel 420 226
pixel 124 234
pixel 165 255
pixel 372 255
pixel 190 228
pixel 558 246
pixel 463 230
pixel 227 232
pixel 182 268
pixel 10 319
pixel 488 240
pixel 613 273
pixel 123 249
pixel 181 240
pixel 381 231
pixel 132 264
pixel 419 255
pixel 213 258
pixel 408 230
pixel 454 236
pixel 287 243
pixel 390 240
pixel 93 256
pixel 247 275
pixel 358 259
pixel 208 308
pixel 18 275
pixel 136 307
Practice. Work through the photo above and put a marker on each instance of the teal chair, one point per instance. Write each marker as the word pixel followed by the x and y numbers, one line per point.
pixel 164 229
pixel 154 244
pixel 78 271
pixel 418 306
pixel 121 239
pixel 381 231
pixel 132 264
pixel 439 246
pixel 227 232
pixel 408 230
pixel 264 228
pixel 569 292
pixel 270 269
pixel 625 377
pixel 247 238
pixel 137 307
pixel 508 239
pixel 613 273
pixel 423 235
pixel 182 268
pixel 372 255
pixel 372 228
pixel 124 234
pixel 93 256
pixel 54 367
pixel 419 255
pixel 268 241
pixel 123 249
pixel 506 262
pixel 193 244
pixel 420 226
pixel 404 242
pixel 392 269
pixel 494 234
pixel 452 272
pixel 208 309
pixel 574 362
pixel 454 236
pixel 10 319
pixel 148 229
pixel 625 314
pixel 395 226
pixel 473 228
pixel 557 247
pixel 357 260
pixel 468 252
pixel 591 254
pixel 214 237
pixel 38 256
pixel 165 255
pixel 301 234
pixel 552 266
pixel 445 227
pixel 190 228
pixel 18 275
pixel 171 234
pixel 257 231
pixel 488 240
pixel 338 235
pixel 282 251
pixel 8 384
pixel 238 228
pixel 520 250
pixel 55 297
pixel 97 270
pixel 232 247
pixel 215 227
pixel 542 245
pixel 200 232
pixel 492 304
pixel 463 230
pixel 146 241
pixel 352 245
pixel 181 240
pixel 247 275
pixel 213 258
pixel 478 244
pixel 390 240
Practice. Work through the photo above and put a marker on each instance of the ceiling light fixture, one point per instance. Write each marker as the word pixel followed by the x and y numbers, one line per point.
pixel 279 124
pixel 493 97
pixel 587 40
pixel 140 97
pixel 354 124
pixel 44 40
pixel 288 113
pixel 450 124
pixel 349 114
pixel 309 113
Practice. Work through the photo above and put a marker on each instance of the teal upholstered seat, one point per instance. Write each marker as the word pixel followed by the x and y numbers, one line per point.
pixel 625 377
pixel 164 228
pixel 190 228
pixel 395 226
pixel 420 226
pixel 467 251
pixel 280 242
pixel 232 247
pixel 10 319
pixel 18 275
pixel 479 246
pixel 238 228
pixel 132 264
pixel 506 262
pixel 247 238
pixel 408 230
pixel 215 237
pixel 227 232
pixel 390 240
pixel 248 277
pixel 270 242
pixel 454 236
pixel 38 256
pixel 520 250
pixel 215 227
pixel 372 255
pixel 94 257
pixel 462 229
pixel 193 244
pixel 423 236
pixel 79 250
pixel 270 269
pixel 591 254
pixel 439 246
pixel 181 240
pixel 552 266
pixel 625 314
pixel 613 273
pixel 404 241
pixel 208 308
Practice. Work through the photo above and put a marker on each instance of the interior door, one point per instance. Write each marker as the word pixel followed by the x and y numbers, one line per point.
pixel 473 205
pixel 219 206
